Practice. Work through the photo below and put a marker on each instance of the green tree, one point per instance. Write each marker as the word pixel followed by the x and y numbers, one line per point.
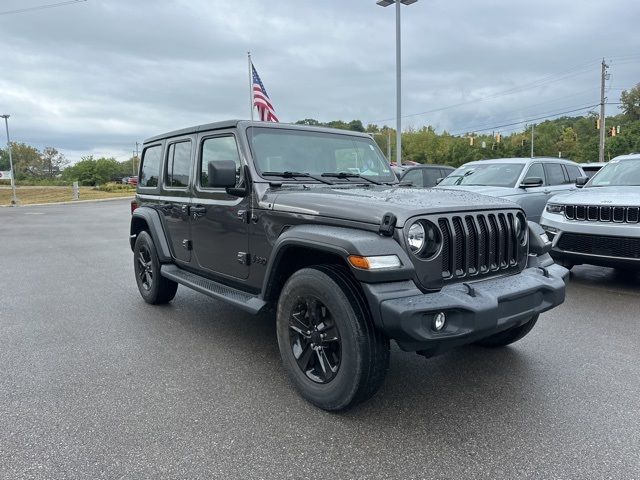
pixel 631 102
pixel 52 162
pixel 26 161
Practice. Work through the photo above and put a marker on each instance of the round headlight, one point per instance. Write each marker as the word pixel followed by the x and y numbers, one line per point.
pixel 416 237
pixel 520 227
pixel 424 239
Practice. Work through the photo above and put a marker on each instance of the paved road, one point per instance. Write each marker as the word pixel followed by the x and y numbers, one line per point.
pixel 94 383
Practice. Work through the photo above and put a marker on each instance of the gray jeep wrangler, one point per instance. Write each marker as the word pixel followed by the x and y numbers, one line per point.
pixel 314 223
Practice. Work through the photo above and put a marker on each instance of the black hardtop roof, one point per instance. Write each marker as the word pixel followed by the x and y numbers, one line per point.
pixel 247 123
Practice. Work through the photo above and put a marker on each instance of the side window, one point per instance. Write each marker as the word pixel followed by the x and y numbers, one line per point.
pixel 414 176
pixel 444 173
pixel 150 170
pixel 431 176
pixel 573 172
pixel 555 174
pixel 178 164
pixel 217 149
pixel 536 170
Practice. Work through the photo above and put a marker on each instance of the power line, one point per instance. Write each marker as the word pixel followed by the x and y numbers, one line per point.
pixel 41 7
pixel 571 72
pixel 495 127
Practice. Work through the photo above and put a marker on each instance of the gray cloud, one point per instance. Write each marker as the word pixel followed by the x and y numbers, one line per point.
pixel 97 76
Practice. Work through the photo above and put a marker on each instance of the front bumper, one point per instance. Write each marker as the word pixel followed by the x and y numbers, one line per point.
pixel 598 243
pixel 474 310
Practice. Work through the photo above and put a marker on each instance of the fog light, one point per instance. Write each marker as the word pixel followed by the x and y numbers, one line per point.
pixel 439 320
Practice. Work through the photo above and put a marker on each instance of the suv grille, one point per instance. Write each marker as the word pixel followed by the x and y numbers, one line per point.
pixel 595 213
pixel 622 247
pixel 478 244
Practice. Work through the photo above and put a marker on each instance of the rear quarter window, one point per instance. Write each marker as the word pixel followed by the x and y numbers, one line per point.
pixel 150 169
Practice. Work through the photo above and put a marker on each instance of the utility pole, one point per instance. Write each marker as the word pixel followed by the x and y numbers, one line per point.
pixel 389 145
pixel 603 77
pixel 532 140
pixel 135 157
pixel 14 197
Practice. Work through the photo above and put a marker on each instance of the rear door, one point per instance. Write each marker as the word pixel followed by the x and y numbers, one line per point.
pixel 175 200
pixel 219 221
pixel 415 176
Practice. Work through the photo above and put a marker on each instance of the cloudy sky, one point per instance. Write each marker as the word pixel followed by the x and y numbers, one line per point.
pixel 94 77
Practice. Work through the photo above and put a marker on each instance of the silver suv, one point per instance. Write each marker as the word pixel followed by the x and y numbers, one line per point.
pixel 529 182
pixel 599 224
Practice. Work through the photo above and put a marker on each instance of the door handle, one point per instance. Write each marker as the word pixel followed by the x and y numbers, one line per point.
pixel 198 211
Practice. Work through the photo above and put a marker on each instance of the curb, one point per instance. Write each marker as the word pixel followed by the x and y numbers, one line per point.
pixel 71 202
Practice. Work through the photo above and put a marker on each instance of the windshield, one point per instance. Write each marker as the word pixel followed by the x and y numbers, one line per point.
pixel 316 153
pixel 486 174
pixel 617 173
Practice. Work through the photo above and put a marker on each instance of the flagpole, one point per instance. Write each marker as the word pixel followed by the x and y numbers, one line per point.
pixel 250 86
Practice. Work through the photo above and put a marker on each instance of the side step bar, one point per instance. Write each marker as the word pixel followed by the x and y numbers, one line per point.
pixel 245 301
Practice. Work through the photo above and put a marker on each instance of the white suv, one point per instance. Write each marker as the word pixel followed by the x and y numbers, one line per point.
pixel 600 223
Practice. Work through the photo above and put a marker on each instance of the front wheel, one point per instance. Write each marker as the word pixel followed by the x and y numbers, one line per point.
pixel 510 335
pixel 153 287
pixel 330 349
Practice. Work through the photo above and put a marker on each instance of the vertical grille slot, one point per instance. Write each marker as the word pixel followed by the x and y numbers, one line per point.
pixel 472 253
pixel 446 247
pixel 459 247
pixel 618 214
pixel 493 242
pixel 605 214
pixel 581 212
pixel 633 214
pixel 592 213
pixel 483 245
pixel 570 212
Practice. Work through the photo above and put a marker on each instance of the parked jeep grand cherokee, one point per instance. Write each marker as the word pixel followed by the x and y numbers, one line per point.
pixel 599 224
pixel 314 223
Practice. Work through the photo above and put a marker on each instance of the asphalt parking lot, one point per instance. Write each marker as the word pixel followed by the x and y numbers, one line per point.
pixel 94 383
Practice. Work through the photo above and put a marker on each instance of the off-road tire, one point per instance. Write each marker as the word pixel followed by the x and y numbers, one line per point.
pixel 508 336
pixel 364 350
pixel 154 288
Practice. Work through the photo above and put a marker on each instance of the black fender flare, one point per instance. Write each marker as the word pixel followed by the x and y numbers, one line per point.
pixel 154 225
pixel 342 242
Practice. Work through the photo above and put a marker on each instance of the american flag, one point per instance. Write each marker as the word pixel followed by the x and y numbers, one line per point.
pixel 261 100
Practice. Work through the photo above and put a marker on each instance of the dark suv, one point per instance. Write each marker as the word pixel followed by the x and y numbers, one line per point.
pixel 314 223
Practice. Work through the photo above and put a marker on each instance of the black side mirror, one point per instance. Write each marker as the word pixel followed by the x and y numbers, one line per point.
pixel 438 180
pixel 222 174
pixel 531 182
pixel 581 181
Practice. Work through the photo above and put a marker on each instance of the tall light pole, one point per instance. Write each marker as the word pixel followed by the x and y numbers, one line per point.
pixel 386 3
pixel 14 198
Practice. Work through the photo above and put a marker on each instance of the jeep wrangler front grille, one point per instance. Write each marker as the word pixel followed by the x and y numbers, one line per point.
pixel 478 244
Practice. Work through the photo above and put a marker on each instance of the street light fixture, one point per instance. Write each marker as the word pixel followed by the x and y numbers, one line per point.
pixel 14 198
pixel 386 3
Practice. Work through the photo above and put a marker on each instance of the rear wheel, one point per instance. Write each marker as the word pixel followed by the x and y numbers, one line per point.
pixel 153 287
pixel 330 349
pixel 509 336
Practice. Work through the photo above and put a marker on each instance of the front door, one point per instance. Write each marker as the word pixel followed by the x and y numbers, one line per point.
pixel 219 221
pixel 176 197
pixel 535 198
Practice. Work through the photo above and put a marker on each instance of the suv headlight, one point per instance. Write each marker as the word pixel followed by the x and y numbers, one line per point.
pixel 555 208
pixel 521 228
pixel 423 238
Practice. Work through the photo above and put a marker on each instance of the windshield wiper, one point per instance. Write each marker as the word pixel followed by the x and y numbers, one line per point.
pixel 294 175
pixel 349 175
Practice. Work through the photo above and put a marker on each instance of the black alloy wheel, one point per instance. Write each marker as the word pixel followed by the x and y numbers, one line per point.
pixel 315 340
pixel 153 287
pixel 330 348
pixel 145 268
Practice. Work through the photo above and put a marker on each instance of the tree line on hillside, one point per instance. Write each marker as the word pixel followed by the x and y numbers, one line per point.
pixel 575 138
pixel 50 167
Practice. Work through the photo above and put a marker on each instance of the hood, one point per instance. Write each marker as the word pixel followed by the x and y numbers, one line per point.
pixel 484 190
pixel 369 204
pixel 610 196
